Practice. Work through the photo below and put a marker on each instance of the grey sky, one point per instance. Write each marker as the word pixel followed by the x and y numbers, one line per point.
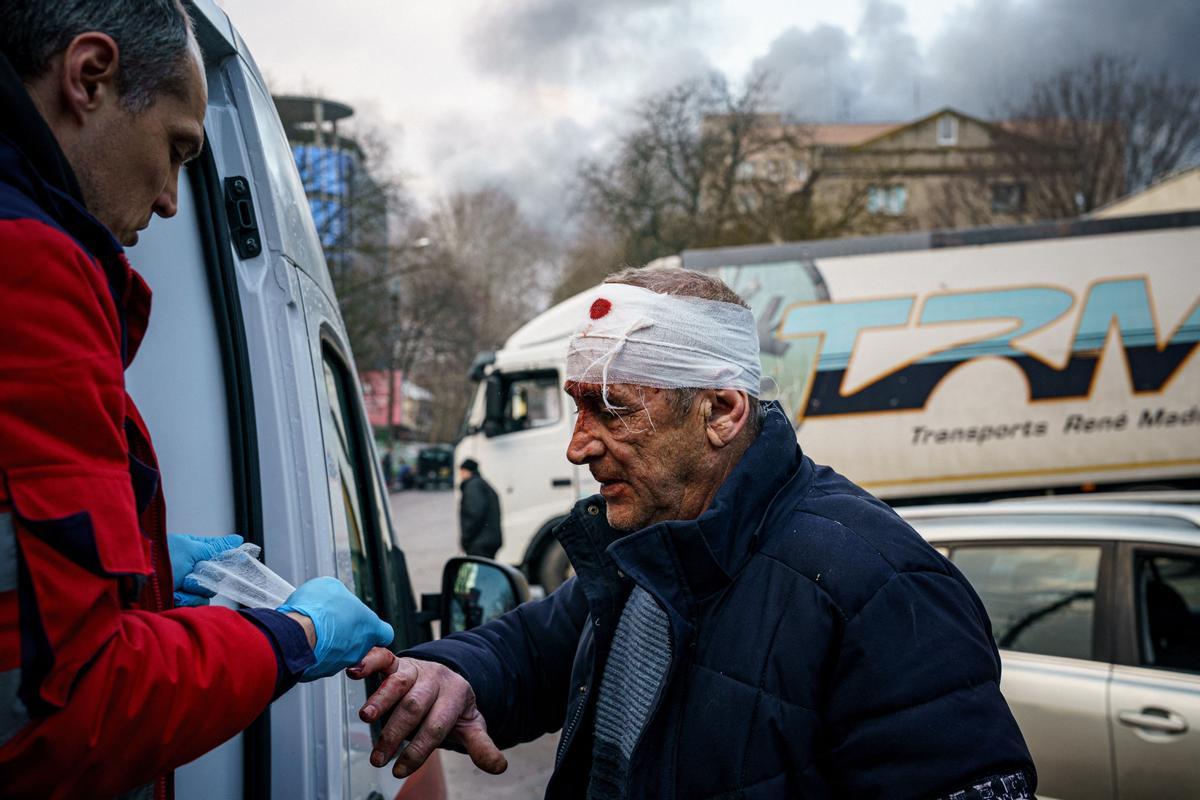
pixel 514 92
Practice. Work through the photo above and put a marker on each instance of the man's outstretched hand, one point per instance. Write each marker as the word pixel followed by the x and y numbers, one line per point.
pixel 429 703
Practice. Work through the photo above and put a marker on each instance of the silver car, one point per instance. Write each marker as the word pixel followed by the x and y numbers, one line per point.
pixel 1096 609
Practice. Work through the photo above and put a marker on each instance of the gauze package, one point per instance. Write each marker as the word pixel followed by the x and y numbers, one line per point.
pixel 634 335
pixel 238 575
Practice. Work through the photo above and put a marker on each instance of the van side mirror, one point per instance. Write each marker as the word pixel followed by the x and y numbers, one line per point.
pixel 493 415
pixel 476 590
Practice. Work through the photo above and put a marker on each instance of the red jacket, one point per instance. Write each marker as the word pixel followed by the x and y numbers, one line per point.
pixel 103 687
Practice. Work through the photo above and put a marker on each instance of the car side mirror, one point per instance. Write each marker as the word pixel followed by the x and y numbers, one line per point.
pixel 477 590
pixel 493 415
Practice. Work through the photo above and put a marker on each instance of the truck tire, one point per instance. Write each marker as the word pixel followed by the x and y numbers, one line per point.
pixel 554 567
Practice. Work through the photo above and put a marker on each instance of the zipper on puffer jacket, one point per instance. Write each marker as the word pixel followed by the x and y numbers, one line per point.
pixel 569 730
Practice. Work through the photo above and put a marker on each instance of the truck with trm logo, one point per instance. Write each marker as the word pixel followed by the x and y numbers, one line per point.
pixel 930 366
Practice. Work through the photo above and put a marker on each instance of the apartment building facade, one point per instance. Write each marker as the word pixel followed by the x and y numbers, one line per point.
pixel 943 170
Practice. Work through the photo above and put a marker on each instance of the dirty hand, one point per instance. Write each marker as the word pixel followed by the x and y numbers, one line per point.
pixel 185 551
pixel 429 703
pixel 345 628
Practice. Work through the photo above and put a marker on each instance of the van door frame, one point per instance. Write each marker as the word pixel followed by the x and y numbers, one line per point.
pixel 239 395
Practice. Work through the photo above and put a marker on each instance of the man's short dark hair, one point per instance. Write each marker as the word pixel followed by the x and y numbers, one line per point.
pixel 154 37
pixel 470 465
pixel 687 283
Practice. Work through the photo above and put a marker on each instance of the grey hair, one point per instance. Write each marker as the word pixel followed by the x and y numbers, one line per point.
pixel 154 36
pixel 688 283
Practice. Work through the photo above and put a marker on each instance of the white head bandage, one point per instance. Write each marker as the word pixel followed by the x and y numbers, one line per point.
pixel 633 335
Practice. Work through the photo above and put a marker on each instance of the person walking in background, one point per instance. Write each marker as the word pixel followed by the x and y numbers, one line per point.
pixel 478 513
pixel 386 463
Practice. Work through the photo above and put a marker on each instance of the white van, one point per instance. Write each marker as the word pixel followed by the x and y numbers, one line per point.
pixel 924 366
pixel 249 388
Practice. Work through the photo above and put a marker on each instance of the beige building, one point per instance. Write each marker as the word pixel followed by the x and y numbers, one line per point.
pixel 947 169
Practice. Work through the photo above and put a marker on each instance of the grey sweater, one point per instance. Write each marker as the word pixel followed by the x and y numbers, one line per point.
pixel 636 668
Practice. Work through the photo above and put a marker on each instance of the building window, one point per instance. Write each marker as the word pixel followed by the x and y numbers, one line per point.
pixel 1008 198
pixel 800 168
pixel 747 202
pixel 887 200
pixel 745 171
pixel 947 130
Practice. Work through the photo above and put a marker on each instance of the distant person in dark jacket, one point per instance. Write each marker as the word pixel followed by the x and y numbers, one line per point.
pixel 743 622
pixel 478 513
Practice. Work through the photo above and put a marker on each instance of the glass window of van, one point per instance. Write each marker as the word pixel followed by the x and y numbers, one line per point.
pixel 286 194
pixel 347 486
pixel 1040 598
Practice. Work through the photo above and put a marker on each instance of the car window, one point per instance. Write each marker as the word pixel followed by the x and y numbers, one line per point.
pixel 1169 610
pixel 1041 598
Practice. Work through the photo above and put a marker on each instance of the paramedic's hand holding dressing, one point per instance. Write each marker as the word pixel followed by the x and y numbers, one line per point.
pixel 185 551
pixel 345 629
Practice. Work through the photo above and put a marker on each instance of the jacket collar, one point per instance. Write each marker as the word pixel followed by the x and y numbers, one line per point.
pixel 31 160
pixel 25 127
pixel 685 561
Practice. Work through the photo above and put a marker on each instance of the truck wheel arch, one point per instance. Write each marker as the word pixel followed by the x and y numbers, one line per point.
pixel 543 542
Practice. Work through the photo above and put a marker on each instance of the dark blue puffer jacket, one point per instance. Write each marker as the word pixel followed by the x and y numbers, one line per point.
pixel 820 648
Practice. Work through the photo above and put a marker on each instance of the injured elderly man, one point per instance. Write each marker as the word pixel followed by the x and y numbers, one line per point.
pixel 743 622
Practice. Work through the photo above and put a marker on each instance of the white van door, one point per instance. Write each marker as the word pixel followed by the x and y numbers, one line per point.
pixel 180 381
pixel 358 523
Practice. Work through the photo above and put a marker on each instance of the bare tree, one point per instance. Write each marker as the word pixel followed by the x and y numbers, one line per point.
pixel 705 166
pixel 485 271
pixel 507 264
pixel 1081 138
pixel 676 178
pixel 594 252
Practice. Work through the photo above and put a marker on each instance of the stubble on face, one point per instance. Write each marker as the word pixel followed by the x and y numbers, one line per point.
pixel 649 459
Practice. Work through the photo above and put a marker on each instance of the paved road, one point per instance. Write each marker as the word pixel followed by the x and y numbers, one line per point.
pixel 427 530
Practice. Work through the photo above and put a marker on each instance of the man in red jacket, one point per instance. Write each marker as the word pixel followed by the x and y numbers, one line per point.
pixel 104 686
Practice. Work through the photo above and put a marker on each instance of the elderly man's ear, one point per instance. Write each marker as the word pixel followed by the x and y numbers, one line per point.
pixel 725 412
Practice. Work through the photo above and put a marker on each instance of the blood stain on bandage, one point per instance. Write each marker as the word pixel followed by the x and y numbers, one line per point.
pixel 600 308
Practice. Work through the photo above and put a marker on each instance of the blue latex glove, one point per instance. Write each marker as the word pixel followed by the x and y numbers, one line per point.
pixel 185 550
pixel 346 629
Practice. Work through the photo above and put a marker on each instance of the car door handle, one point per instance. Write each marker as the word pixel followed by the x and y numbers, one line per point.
pixel 1154 719
pixel 557 482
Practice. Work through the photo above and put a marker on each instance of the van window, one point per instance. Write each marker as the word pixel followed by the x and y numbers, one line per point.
pixel 1041 598
pixel 287 197
pixel 1169 611
pixel 346 489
